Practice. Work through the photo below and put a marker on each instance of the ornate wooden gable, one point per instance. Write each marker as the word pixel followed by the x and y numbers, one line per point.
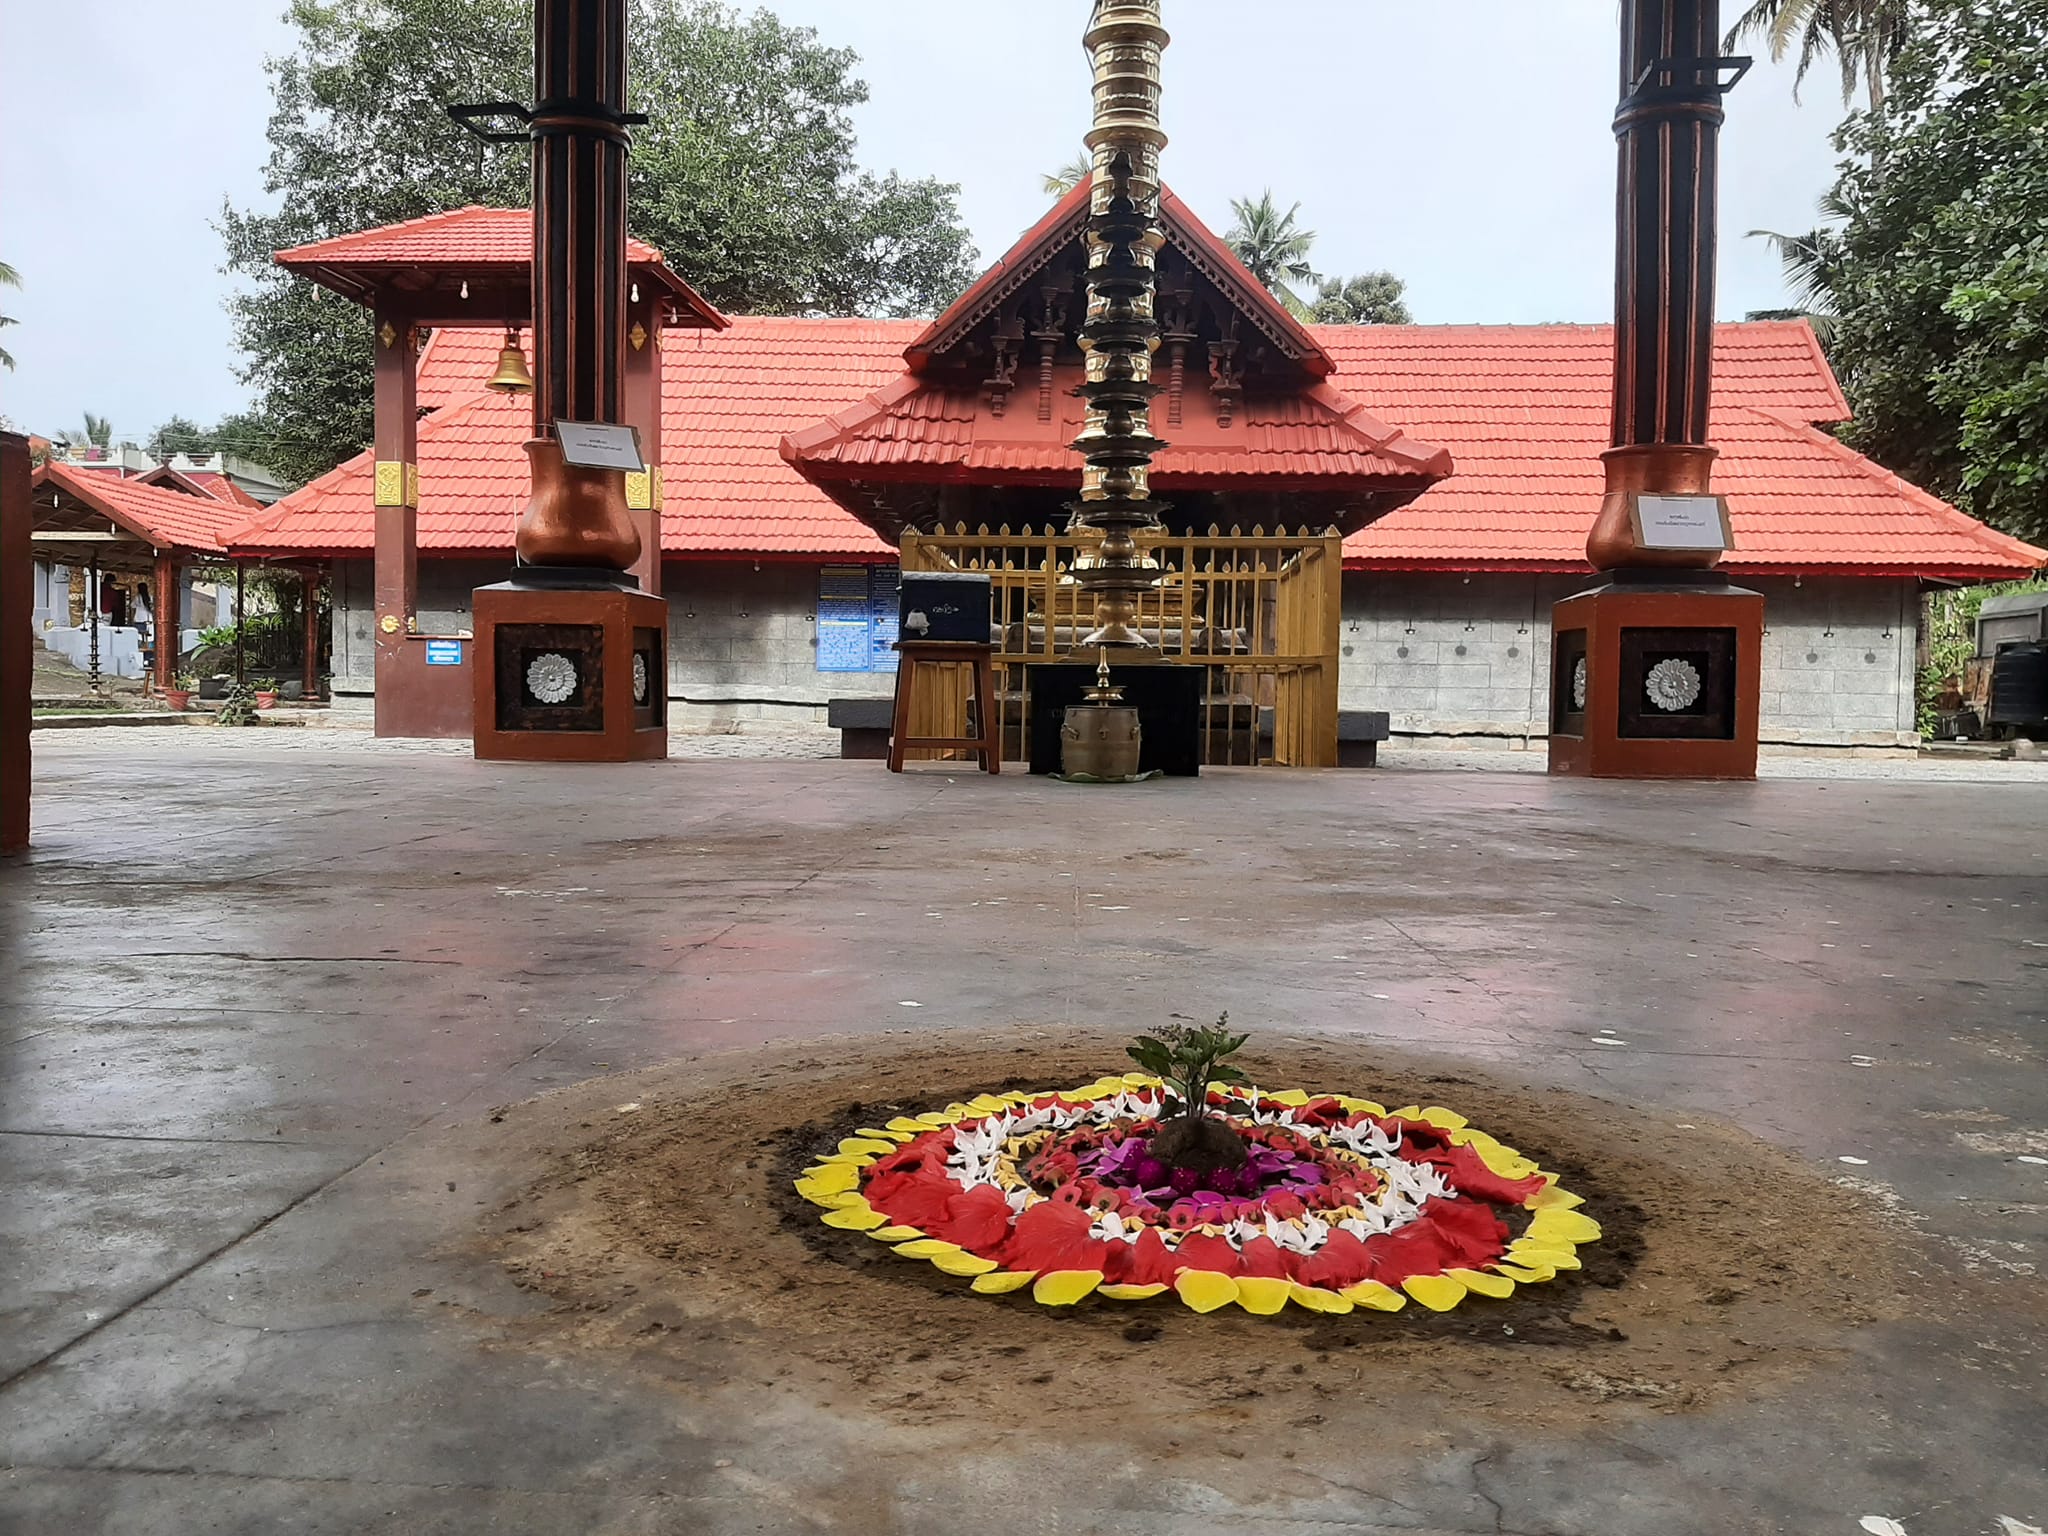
pixel 1223 332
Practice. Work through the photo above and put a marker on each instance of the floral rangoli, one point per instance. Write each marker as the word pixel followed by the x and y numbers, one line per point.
pixel 1337 1203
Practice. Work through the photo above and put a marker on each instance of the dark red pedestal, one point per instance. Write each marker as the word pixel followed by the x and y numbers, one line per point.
pixel 1657 678
pixel 570 673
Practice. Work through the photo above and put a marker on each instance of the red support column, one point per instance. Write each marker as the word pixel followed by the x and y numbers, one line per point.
pixel 309 602
pixel 643 410
pixel 398 500
pixel 164 598
pixel 17 601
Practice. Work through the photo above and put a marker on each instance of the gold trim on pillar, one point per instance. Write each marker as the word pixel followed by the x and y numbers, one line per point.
pixel 660 493
pixel 394 480
pixel 640 490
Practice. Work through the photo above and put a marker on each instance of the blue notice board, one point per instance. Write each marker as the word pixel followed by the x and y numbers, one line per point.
pixel 444 653
pixel 857 618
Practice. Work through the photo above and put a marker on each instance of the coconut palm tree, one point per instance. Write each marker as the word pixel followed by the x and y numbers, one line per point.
pixel 1273 248
pixel 1864 36
pixel 1811 261
pixel 11 279
pixel 1068 176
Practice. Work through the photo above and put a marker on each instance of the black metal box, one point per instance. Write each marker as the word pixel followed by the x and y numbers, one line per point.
pixel 946 605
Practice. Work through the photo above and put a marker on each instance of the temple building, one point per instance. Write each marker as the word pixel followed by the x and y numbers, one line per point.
pixel 1458 465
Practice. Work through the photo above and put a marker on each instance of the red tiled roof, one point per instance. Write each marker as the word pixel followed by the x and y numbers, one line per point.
pixel 164 518
pixel 911 430
pixel 1522 409
pixel 727 401
pixel 1524 412
pixel 221 488
pixel 463 240
pixel 1061 224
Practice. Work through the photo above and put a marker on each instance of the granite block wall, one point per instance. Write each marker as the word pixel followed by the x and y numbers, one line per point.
pixel 1444 655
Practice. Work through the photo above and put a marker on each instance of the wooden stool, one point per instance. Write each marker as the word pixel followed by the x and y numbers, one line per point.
pixel 911 654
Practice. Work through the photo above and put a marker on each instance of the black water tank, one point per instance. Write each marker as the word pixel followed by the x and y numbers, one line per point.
pixel 2019 686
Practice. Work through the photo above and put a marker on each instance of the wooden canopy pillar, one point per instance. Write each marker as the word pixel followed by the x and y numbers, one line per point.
pixel 644 324
pixel 169 631
pixel 309 606
pixel 396 443
pixel 17 661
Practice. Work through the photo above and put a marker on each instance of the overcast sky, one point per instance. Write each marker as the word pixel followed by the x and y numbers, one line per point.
pixel 1463 144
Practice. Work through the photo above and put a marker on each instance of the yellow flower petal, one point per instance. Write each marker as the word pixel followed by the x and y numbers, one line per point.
pixel 1370 1293
pixel 856 1218
pixel 933 1119
pixel 1064 1287
pixel 1525 1274
pixel 1263 1295
pixel 832 1199
pixel 1553 1198
pixel 1439 1293
pixel 1496 1286
pixel 1293 1097
pixel 960 1262
pixel 1141 1080
pixel 1130 1292
pixel 853 1160
pixel 1204 1289
pixel 875 1133
pixel 987 1104
pixel 896 1234
pixel 1318 1300
pixel 854 1145
pixel 1526 1252
pixel 1555 1226
pixel 1360 1106
pixel 908 1126
pixel 926 1248
pixel 996 1282
pixel 1410 1112
pixel 1444 1119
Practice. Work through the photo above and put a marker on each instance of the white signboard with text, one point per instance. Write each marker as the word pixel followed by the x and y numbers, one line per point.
pixel 1682 522
pixel 598 445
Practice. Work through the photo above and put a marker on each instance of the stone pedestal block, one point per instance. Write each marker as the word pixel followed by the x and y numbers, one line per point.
pixel 1656 675
pixel 570 668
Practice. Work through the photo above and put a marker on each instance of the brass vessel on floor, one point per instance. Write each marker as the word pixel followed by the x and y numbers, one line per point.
pixel 1101 739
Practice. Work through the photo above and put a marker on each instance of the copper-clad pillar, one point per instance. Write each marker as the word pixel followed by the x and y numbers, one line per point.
pixel 1669 127
pixel 578 517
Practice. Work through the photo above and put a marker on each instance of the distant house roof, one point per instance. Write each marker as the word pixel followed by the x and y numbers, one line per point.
pixel 1522 410
pixel 163 517
pixel 445 251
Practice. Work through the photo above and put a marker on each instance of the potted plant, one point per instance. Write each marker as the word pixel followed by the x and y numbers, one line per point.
pixel 266 693
pixel 178 697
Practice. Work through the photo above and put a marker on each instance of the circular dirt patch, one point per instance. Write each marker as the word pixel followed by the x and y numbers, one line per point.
pixel 665 1228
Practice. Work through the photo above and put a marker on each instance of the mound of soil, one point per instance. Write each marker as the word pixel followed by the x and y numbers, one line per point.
pixel 663 1231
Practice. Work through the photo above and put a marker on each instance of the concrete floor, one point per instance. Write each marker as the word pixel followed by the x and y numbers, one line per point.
pixel 241 983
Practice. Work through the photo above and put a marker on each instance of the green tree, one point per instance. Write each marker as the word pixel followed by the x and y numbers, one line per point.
pixel 9 278
pixel 1273 247
pixel 99 431
pixel 1371 298
pixel 1937 273
pixel 1863 35
pixel 1068 176
pixel 178 435
pixel 745 177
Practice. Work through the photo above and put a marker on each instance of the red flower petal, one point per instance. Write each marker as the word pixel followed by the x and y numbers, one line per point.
pixel 1265 1258
pixel 978 1219
pixel 1341 1261
pixel 1205 1250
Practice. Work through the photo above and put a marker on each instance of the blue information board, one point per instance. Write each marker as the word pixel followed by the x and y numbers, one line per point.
pixel 444 653
pixel 858 610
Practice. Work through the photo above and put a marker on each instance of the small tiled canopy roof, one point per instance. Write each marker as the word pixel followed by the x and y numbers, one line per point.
pixel 466 243
pixel 66 499
pixel 1523 410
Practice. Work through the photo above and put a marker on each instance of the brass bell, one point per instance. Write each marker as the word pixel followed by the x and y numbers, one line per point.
pixel 513 376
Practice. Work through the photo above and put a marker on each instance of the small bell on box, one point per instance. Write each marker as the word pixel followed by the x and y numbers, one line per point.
pixel 513 376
